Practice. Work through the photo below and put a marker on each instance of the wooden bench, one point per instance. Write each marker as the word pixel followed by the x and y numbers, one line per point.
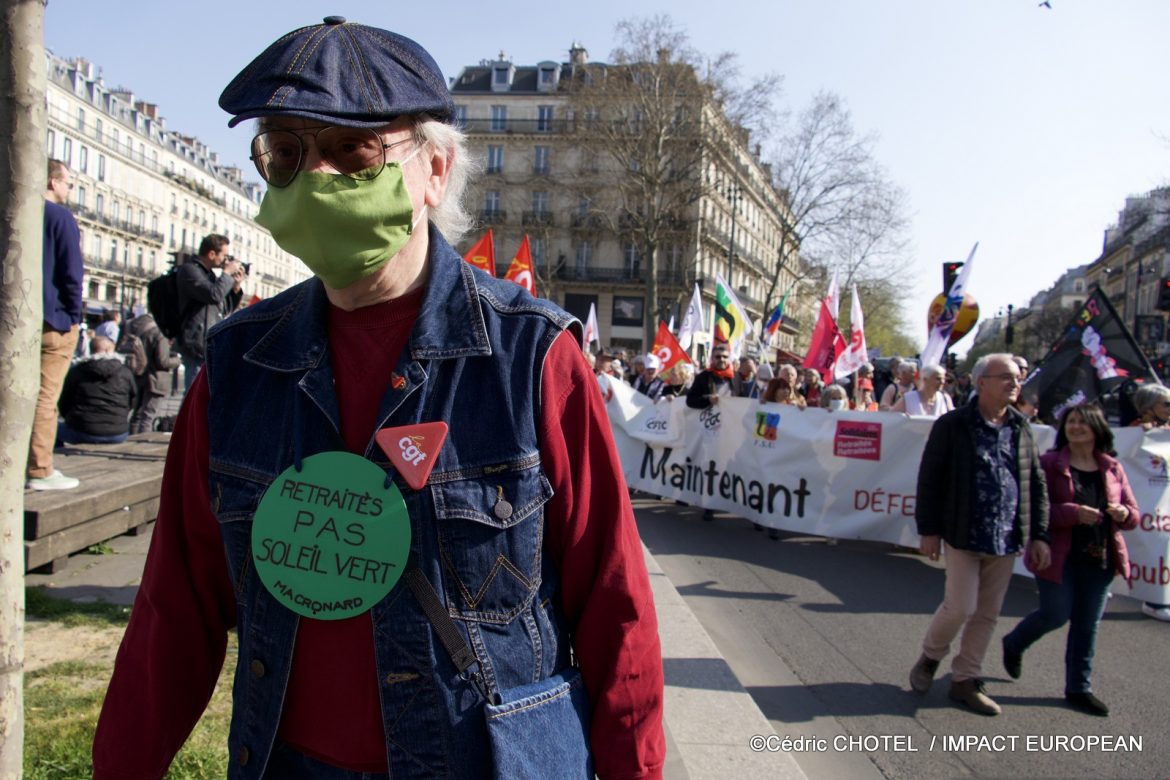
pixel 119 493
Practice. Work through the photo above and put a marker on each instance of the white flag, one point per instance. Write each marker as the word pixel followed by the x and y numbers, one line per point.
pixel 834 297
pixel 591 333
pixel 855 354
pixel 692 321
pixel 940 334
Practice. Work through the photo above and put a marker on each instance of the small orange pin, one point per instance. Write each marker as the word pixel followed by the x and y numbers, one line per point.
pixel 413 449
pixel 397 381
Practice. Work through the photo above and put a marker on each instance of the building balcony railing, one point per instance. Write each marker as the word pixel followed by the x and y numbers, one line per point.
pixel 117 267
pixel 493 216
pixel 586 221
pixel 517 126
pixel 625 275
pixel 538 218
pixel 94 217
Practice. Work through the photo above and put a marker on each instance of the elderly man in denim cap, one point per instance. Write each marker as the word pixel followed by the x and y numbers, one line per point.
pixel 395 481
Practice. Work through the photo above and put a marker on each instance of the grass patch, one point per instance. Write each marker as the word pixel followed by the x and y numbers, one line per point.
pixel 62 703
pixel 101 548
pixel 38 604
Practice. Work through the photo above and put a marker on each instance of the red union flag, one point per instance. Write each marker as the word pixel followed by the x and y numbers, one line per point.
pixel 667 348
pixel 826 344
pixel 521 271
pixel 483 254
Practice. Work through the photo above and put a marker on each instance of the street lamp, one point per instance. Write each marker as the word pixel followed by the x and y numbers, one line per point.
pixel 734 194
pixel 1008 332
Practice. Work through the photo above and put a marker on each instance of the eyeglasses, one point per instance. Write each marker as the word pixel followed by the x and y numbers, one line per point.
pixel 68 184
pixel 1004 377
pixel 355 152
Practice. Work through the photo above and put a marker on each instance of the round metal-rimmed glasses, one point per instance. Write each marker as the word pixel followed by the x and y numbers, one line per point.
pixel 356 152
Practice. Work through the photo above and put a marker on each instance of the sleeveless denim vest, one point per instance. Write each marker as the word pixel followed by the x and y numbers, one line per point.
pixel 473 360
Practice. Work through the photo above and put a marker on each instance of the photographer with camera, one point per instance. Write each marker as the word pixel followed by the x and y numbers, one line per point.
pixel 206 299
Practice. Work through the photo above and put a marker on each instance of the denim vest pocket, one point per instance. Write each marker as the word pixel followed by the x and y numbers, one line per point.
pixel 235 494
pixel 490 530
pixel 542 729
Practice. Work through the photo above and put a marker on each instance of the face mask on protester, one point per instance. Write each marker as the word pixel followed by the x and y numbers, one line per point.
pixel 836 404
pixel 343 229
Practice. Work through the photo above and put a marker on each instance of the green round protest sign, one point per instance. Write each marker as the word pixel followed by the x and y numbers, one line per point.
pixel 330 541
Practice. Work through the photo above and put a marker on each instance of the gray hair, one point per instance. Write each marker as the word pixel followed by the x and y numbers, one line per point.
pixel 450 217
pixel 938 372
pixel 982 363
pixel 1148 395
pixel 830 391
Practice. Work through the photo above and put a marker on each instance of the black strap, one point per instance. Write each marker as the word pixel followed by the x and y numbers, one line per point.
pixel 453 641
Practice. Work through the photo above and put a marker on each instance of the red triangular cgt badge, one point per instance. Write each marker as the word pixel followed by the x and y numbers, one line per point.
pixel 413 449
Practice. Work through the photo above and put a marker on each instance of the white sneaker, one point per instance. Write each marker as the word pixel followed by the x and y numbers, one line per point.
pixel 1157 613
pixel 58 481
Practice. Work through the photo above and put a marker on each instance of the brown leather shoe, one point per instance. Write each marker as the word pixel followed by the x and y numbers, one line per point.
pixel 922 675
pixel 971 693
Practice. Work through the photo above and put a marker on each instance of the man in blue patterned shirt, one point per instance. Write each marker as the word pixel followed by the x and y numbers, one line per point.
pixel 982 497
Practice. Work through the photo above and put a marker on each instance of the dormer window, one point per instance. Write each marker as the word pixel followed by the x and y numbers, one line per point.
pixel 502 73
pixel 547 76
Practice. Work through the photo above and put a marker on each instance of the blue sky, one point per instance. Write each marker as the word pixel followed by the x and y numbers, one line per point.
pixel 1018 126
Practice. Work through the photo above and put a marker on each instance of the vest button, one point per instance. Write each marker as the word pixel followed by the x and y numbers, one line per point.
pixel 502 510
pixel 242 756
pixel 257 668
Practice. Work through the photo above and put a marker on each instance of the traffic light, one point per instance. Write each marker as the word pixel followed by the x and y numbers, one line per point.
pixel 950 271
pixel 1164 295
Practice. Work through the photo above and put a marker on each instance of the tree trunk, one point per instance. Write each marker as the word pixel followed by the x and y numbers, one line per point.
pixel 22 185
pixel 650 311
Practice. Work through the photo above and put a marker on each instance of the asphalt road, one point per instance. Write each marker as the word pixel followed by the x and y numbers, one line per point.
pixel 823 637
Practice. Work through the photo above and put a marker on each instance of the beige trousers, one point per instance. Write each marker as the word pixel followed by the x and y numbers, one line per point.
pixel 976 586
pixel 56 353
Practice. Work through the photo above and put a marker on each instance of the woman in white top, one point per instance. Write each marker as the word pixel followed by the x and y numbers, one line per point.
pixel 928 400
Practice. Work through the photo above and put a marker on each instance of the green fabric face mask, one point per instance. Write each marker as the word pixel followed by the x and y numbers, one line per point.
pixel 343 229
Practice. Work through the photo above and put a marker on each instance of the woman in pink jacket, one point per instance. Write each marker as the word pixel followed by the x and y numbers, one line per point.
pixel 1091 504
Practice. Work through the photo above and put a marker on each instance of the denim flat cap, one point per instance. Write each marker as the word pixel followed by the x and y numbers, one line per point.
pixel 341 73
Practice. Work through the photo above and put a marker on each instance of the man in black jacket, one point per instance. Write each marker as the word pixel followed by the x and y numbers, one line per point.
pixel 205 299
pixel 709 386
pixel 982 495
pixel 96 400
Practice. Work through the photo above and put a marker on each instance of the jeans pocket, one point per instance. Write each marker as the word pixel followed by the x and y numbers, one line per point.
pixel 541 730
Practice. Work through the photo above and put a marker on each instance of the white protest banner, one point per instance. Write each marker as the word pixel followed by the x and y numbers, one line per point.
pixel 843 474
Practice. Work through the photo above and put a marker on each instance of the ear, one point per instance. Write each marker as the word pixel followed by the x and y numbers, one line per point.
pixel 440 161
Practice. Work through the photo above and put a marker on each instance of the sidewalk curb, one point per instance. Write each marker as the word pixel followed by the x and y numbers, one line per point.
pixel 710 717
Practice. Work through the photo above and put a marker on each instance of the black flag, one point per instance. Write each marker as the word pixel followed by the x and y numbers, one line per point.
pixel 1096 354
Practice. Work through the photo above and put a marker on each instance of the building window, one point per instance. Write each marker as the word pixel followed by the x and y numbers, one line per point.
pixel 627 310
pixel 544 118
pixel 83 159
pixel 499 119
pixel 101 167
pixel 495 159
pixel 67 152
pixel 491 201
pixel 113 250
pixel 633 258
pixel 536 247
pixel 97 128
pixel 584 255
pixel 50 143
pixel 81 199
pixel 140 253
pixel 100 205
pixel 81 119
pixel 111 292
pixel 548 78
pixel 540 203
pixel 94 289
pixel 540 155
pixel 460 116
pixel 1078 285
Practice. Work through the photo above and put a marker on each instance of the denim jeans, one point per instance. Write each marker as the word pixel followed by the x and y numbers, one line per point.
pixel 191 368
pixel 1079 600
pixel 67 435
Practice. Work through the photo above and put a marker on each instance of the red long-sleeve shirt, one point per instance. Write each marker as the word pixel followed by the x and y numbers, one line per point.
pixel 174 646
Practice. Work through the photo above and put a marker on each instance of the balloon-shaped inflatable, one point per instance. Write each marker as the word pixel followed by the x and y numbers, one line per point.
pixel 965 318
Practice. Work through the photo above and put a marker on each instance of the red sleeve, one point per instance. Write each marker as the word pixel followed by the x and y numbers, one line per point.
pixel 606 591
pixel 174 646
